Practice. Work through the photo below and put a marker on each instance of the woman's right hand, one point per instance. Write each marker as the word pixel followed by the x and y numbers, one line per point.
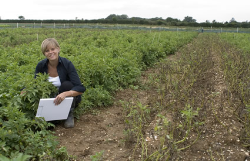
pixel 59 98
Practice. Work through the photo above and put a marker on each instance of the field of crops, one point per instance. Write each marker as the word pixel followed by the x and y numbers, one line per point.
pixel 210 29
pixel 151 95
pixel 106 61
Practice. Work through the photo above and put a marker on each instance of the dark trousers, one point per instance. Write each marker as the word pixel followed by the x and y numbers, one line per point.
pixel 67 86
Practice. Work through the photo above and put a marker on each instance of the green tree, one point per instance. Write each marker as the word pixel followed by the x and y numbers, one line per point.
pixel 189 19
pixel 21 17
pixel 111 16
pixel 117 17
pixel 114 19
pixel 123 16
pixel 233 20
pixel 170 19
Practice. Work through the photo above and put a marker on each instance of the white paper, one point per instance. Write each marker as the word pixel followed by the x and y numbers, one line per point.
pixel 50 111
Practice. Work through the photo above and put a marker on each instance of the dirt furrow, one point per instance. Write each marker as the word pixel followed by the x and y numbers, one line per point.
pixel 220 137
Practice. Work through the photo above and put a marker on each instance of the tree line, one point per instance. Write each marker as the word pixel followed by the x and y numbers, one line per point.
pixel 124 19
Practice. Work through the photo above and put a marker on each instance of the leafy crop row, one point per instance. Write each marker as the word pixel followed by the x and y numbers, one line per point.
pixel 106 60
pixel 241 40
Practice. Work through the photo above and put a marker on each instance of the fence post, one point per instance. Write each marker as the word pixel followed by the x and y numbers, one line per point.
pixel 16 25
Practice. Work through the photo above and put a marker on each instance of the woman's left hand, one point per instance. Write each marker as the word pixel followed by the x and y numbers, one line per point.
pixel 59 98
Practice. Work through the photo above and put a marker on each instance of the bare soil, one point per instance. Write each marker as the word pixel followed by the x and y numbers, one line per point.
pixel 102 130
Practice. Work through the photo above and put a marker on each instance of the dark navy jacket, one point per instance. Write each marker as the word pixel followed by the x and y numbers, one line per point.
pixel 66 72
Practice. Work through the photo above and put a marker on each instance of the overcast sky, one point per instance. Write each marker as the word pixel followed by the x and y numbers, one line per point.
pixel 201 10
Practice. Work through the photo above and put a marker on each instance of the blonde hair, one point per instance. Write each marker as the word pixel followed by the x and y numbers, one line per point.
pixel 49 42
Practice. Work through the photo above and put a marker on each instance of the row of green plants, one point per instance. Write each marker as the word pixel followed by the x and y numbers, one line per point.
pixel 106 60
pixel 240 40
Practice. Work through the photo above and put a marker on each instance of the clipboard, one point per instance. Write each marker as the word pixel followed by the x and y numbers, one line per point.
pixel 50 111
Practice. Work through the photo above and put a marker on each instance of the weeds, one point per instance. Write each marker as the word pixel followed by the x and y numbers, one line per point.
pixel 98 156
pixel 136 118
pixel 184 90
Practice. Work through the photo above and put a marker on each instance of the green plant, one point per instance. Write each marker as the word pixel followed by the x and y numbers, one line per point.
pixel 105 61
pixel 34 90
pixel 97 157
pixel 136 118
pixel 19 157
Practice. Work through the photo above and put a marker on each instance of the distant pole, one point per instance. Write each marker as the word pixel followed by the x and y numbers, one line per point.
pixel 237 29
pixel 34 25
pixel 54 25
pixel 221 30
pixel 64 25
pixel 41 24
pixel 16 25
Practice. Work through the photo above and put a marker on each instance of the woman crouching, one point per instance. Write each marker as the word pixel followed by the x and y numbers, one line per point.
pixel 62 74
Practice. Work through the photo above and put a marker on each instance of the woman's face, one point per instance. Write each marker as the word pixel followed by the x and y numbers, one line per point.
pixel 52 52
